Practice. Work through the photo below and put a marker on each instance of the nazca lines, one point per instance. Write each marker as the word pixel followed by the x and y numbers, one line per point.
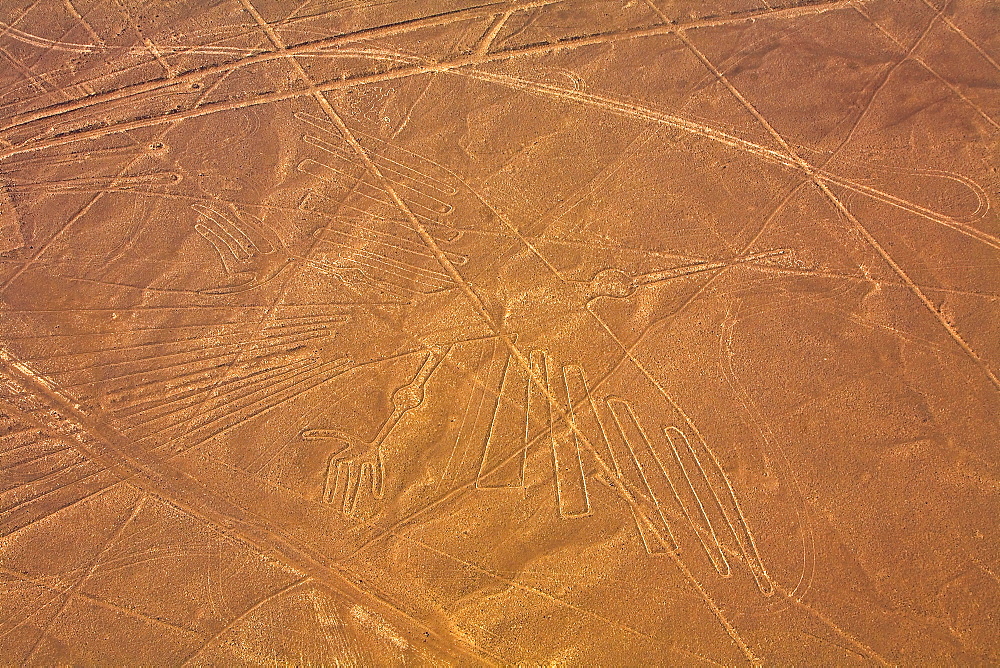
pixel 274 370
pixel 359 461
pixel 377 246
pixel 250 253
pixel 670 471
pixel 173 398
pixel 204 377
pixel 37 468
pixel 42 468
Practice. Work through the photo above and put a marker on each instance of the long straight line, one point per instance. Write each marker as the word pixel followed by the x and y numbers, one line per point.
pixel 465 60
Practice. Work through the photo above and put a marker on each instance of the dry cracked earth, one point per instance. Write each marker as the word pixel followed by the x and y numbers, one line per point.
pixel 461 332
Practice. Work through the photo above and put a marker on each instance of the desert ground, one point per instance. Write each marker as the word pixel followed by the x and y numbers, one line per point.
pixel 495 332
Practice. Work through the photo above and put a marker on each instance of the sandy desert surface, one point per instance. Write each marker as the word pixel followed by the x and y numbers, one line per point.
pixel 462 332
